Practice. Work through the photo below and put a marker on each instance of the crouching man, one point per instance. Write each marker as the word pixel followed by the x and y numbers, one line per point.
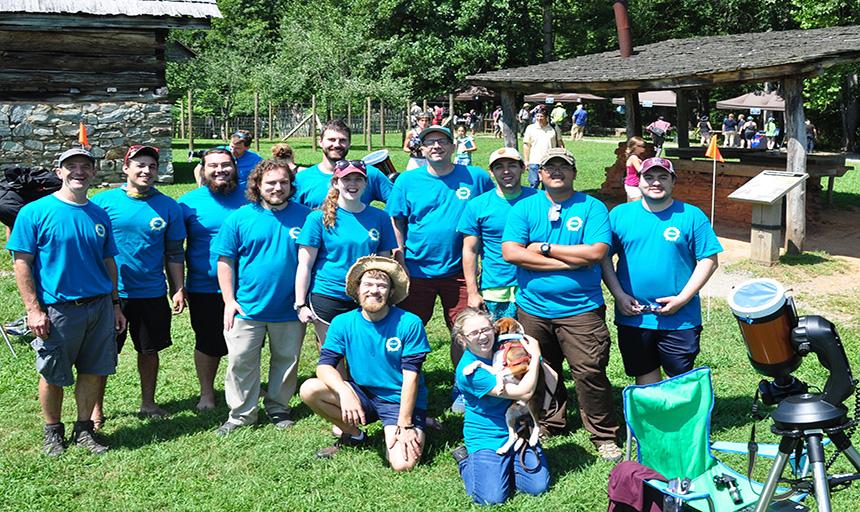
pixel 384 347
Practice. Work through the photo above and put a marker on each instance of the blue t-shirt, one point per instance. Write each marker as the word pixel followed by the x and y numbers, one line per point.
pixel 204 213
pixel 579 116
pixel 432 206
pixel 486 217
pixel 557 294
pixel 141 228
pixel 70 243
pixel 246 164
pixel 464 158
pixel 353 236
pixel 264 245
pixel 484 427
pixel 663 249
pixel 730 125
pixel 312 186
pixel 374 350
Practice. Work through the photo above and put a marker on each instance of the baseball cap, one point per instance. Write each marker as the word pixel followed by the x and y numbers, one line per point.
pixel 558 153
pixel 436 128
pixel 75 152
pixel 345 167
pixel 500 153
pixel 141 150
pixel 657 162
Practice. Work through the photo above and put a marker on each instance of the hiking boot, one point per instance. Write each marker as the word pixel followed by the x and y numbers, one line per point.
pixel 281 420
pixel 55 440
pixel 610 452
pixel 344 441
pixel 84 435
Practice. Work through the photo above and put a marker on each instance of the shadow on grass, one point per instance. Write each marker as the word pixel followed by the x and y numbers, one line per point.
pixel 806 258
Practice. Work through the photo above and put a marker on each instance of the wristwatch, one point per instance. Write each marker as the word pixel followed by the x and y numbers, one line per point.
pixel 297 306
pixel 544 249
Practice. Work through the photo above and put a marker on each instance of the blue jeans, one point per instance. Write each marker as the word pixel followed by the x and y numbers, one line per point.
pixel 487 475
pixel 534 176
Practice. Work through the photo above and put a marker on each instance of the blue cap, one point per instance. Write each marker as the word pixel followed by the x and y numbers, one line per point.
pixel 436 128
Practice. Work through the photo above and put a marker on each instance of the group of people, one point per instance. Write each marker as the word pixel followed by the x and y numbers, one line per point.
pixel 291 249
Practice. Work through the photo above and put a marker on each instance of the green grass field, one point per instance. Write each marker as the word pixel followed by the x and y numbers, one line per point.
pixel 178 464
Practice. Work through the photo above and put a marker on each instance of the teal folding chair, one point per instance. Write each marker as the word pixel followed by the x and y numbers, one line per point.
pixel 671 422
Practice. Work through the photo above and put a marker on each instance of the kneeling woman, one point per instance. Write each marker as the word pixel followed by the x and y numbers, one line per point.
pixel 489 477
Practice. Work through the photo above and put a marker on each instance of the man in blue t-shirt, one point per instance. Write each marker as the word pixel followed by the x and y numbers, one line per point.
pixel 204 210
pixel 384 347
pixel 244 158
pixel 257 258
pixel 149 232
pixel 482 225
pixel 63 252
pixel 312 184
pixel 578 128
pixel 658 314
pixel 426 203
pixel 557 239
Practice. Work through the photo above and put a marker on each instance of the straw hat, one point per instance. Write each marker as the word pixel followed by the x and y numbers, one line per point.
pixel 399 279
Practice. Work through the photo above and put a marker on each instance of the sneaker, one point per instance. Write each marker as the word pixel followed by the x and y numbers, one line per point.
pixel 226 428
pixel 459 405
pixel 345 440
pixel 281 420
pixel 55 440
pixel 610 452
pixel 83 435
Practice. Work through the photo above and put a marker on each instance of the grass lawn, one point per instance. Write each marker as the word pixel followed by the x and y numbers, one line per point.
pixel 178 464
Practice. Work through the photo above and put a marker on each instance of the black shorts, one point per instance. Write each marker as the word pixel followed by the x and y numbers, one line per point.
pixel 148 324
pixel 645 350
pixel 326 307
pixel 207 320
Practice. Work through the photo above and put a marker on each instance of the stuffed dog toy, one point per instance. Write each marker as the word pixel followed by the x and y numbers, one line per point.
pixel 510 363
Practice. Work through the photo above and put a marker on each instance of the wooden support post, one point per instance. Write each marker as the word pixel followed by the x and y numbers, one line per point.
pixel 451 111
pixel 313 120
pixel 508 119
pixel 256 121
pixel 271 122
pixel 683 108
pixel 349 114
pixel 181 118
pixel 795 207
pixel 765 234
pixel 369 125
pixel 425 106
pixel 407 121
pixel 382 122
pixel 634 117
pixel 190 124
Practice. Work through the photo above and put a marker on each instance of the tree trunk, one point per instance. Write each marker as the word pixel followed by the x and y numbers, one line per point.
pixel 547 31
pixel 849 104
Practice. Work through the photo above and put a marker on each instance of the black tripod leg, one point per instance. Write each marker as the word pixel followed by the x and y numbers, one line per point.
pixel 786 447
pixel 815 450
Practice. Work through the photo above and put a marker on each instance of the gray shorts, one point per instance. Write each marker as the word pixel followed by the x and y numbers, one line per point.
pixel 80 336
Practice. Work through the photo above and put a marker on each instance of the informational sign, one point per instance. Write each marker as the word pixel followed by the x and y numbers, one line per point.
pixel 768 187
pixel 755 111
pixel 647 104
pixel 550 99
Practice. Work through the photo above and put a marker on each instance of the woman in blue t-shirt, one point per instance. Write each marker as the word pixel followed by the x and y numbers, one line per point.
pixel 331 241
pixel 489 477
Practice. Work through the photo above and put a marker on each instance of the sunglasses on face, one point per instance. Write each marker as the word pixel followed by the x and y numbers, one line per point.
pixel 443 143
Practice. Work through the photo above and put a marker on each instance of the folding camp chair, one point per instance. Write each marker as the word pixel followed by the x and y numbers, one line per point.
pixel 671 422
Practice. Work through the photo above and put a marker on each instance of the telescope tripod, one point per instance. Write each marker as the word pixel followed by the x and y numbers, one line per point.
pixel 798 431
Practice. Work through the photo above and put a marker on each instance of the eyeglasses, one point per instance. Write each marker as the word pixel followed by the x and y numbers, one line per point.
pixel 563 168
pixel 343 164
pixel 443 143
pixel 486 331
pixel 554 212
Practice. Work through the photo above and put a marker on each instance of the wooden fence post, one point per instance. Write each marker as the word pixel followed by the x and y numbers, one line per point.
pixel 314 120
pixel 369 125
pixel 256 121
pixel 271 123
pixel 382 122
pixel 190 124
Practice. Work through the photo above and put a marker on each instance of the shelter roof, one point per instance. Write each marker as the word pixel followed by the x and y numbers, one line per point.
pixel 693 63
pixel 86 12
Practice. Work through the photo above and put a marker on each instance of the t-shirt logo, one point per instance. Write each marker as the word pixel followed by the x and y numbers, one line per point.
pixel 294 232
pixel 672 234
pixel 157 224
pixel 393 344
pixel 100 230
pixel 463 193
pixel 574 224
pixel 373 234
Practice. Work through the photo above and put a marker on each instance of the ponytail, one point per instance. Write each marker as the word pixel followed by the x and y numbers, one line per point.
pixel 329 206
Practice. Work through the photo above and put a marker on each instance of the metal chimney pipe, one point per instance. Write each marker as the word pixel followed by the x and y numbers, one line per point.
pixel 622 25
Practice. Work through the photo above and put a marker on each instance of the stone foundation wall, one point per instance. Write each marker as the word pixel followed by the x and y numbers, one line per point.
pixel 695 188
pixel 35 135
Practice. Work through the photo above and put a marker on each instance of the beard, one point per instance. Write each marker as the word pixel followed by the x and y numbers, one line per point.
pixel 221 187
pixel 372 307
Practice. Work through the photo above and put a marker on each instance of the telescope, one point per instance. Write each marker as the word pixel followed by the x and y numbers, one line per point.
pixel 777 340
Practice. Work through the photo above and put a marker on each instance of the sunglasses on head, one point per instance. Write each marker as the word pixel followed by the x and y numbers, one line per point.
pixel 343 164
pixel 240 135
